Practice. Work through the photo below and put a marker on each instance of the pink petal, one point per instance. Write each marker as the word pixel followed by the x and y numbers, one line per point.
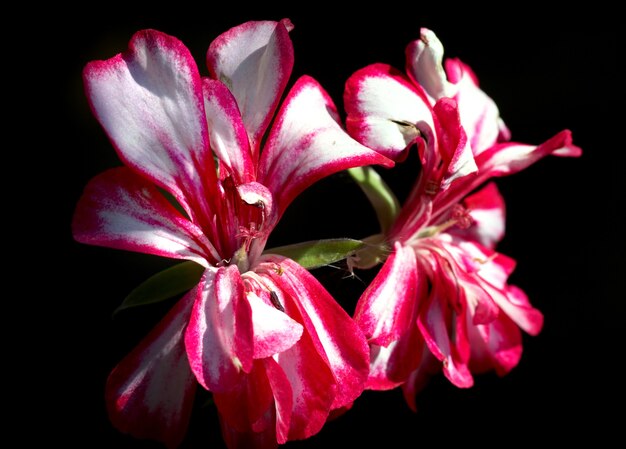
pixel 248 408
pixel 274 331
pixel 233 438
pixel 304 389
pixel 514 303
pixel 493 267
pixel 307 144
pixel 479 114
pixel 286 398
pixel 119 209
pixel 227 133
pixel 219 335
pixel 420 377
pixel 150 392
pixel 458 160
pixel 392 365
pixel 345 352
pixel 438 326
pixel 385 111
pixel 505 159
pixel 254 60
pixel 481 306
pixel 497 345
pixel 149 101
pixel 508 158
pixel 491 272
pixel 388 306
pixel 466 265
pixel 424 65
pixel 486 208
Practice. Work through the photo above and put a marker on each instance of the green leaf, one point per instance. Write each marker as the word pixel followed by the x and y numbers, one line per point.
pixel 380 195
pixel 318 253
pixel 164 285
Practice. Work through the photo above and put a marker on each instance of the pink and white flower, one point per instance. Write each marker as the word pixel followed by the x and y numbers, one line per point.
pixel 258 329
pixel 441 299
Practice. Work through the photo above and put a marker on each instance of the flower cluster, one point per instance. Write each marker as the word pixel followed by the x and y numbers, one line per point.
pixel 210 166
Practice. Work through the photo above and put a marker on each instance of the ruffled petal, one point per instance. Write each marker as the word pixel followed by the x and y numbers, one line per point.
pixel 227 133
pixel 385 111
pixel 391 366
pixel 119 209
pixel 497 346
pixel 346 353
pixel 254 60
pixel 219 337
pixel 307 144
pixel 388 306
pixel 149 101
pixel 150 392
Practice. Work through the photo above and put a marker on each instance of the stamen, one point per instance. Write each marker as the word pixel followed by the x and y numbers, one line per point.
pixel 249 234
pixel 463 219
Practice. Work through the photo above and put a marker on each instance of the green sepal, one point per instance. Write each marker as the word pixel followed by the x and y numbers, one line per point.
pixel 164 285
pixel 318 253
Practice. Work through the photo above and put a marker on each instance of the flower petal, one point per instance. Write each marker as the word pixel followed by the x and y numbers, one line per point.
pixel 254 60
pixel 419 378
pixel 304 389
pixel 385 111
pixel 497 345
pixel 479 114
pixel 248 408
pixel 265 439
pixel 389 304
pixel 227 133
pixel 274 331
pixel 219 335
pixel 508 158
pixel 120 209
pixel 345 352
pixel 307 143
pixel 150 392
pixel 434 329
pixel 149 101
pixel 515 304
pixel 487 210
pixel 424 58
pixel 458 160
pixel 392 365
pixel 439 326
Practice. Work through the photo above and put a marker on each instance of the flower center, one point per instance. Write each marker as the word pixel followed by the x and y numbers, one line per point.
pixel 458 216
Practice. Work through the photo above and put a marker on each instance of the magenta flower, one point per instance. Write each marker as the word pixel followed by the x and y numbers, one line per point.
pixel 258 329
pixel 441 299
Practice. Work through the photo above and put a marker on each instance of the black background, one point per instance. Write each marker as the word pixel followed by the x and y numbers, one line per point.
pixel 546 71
